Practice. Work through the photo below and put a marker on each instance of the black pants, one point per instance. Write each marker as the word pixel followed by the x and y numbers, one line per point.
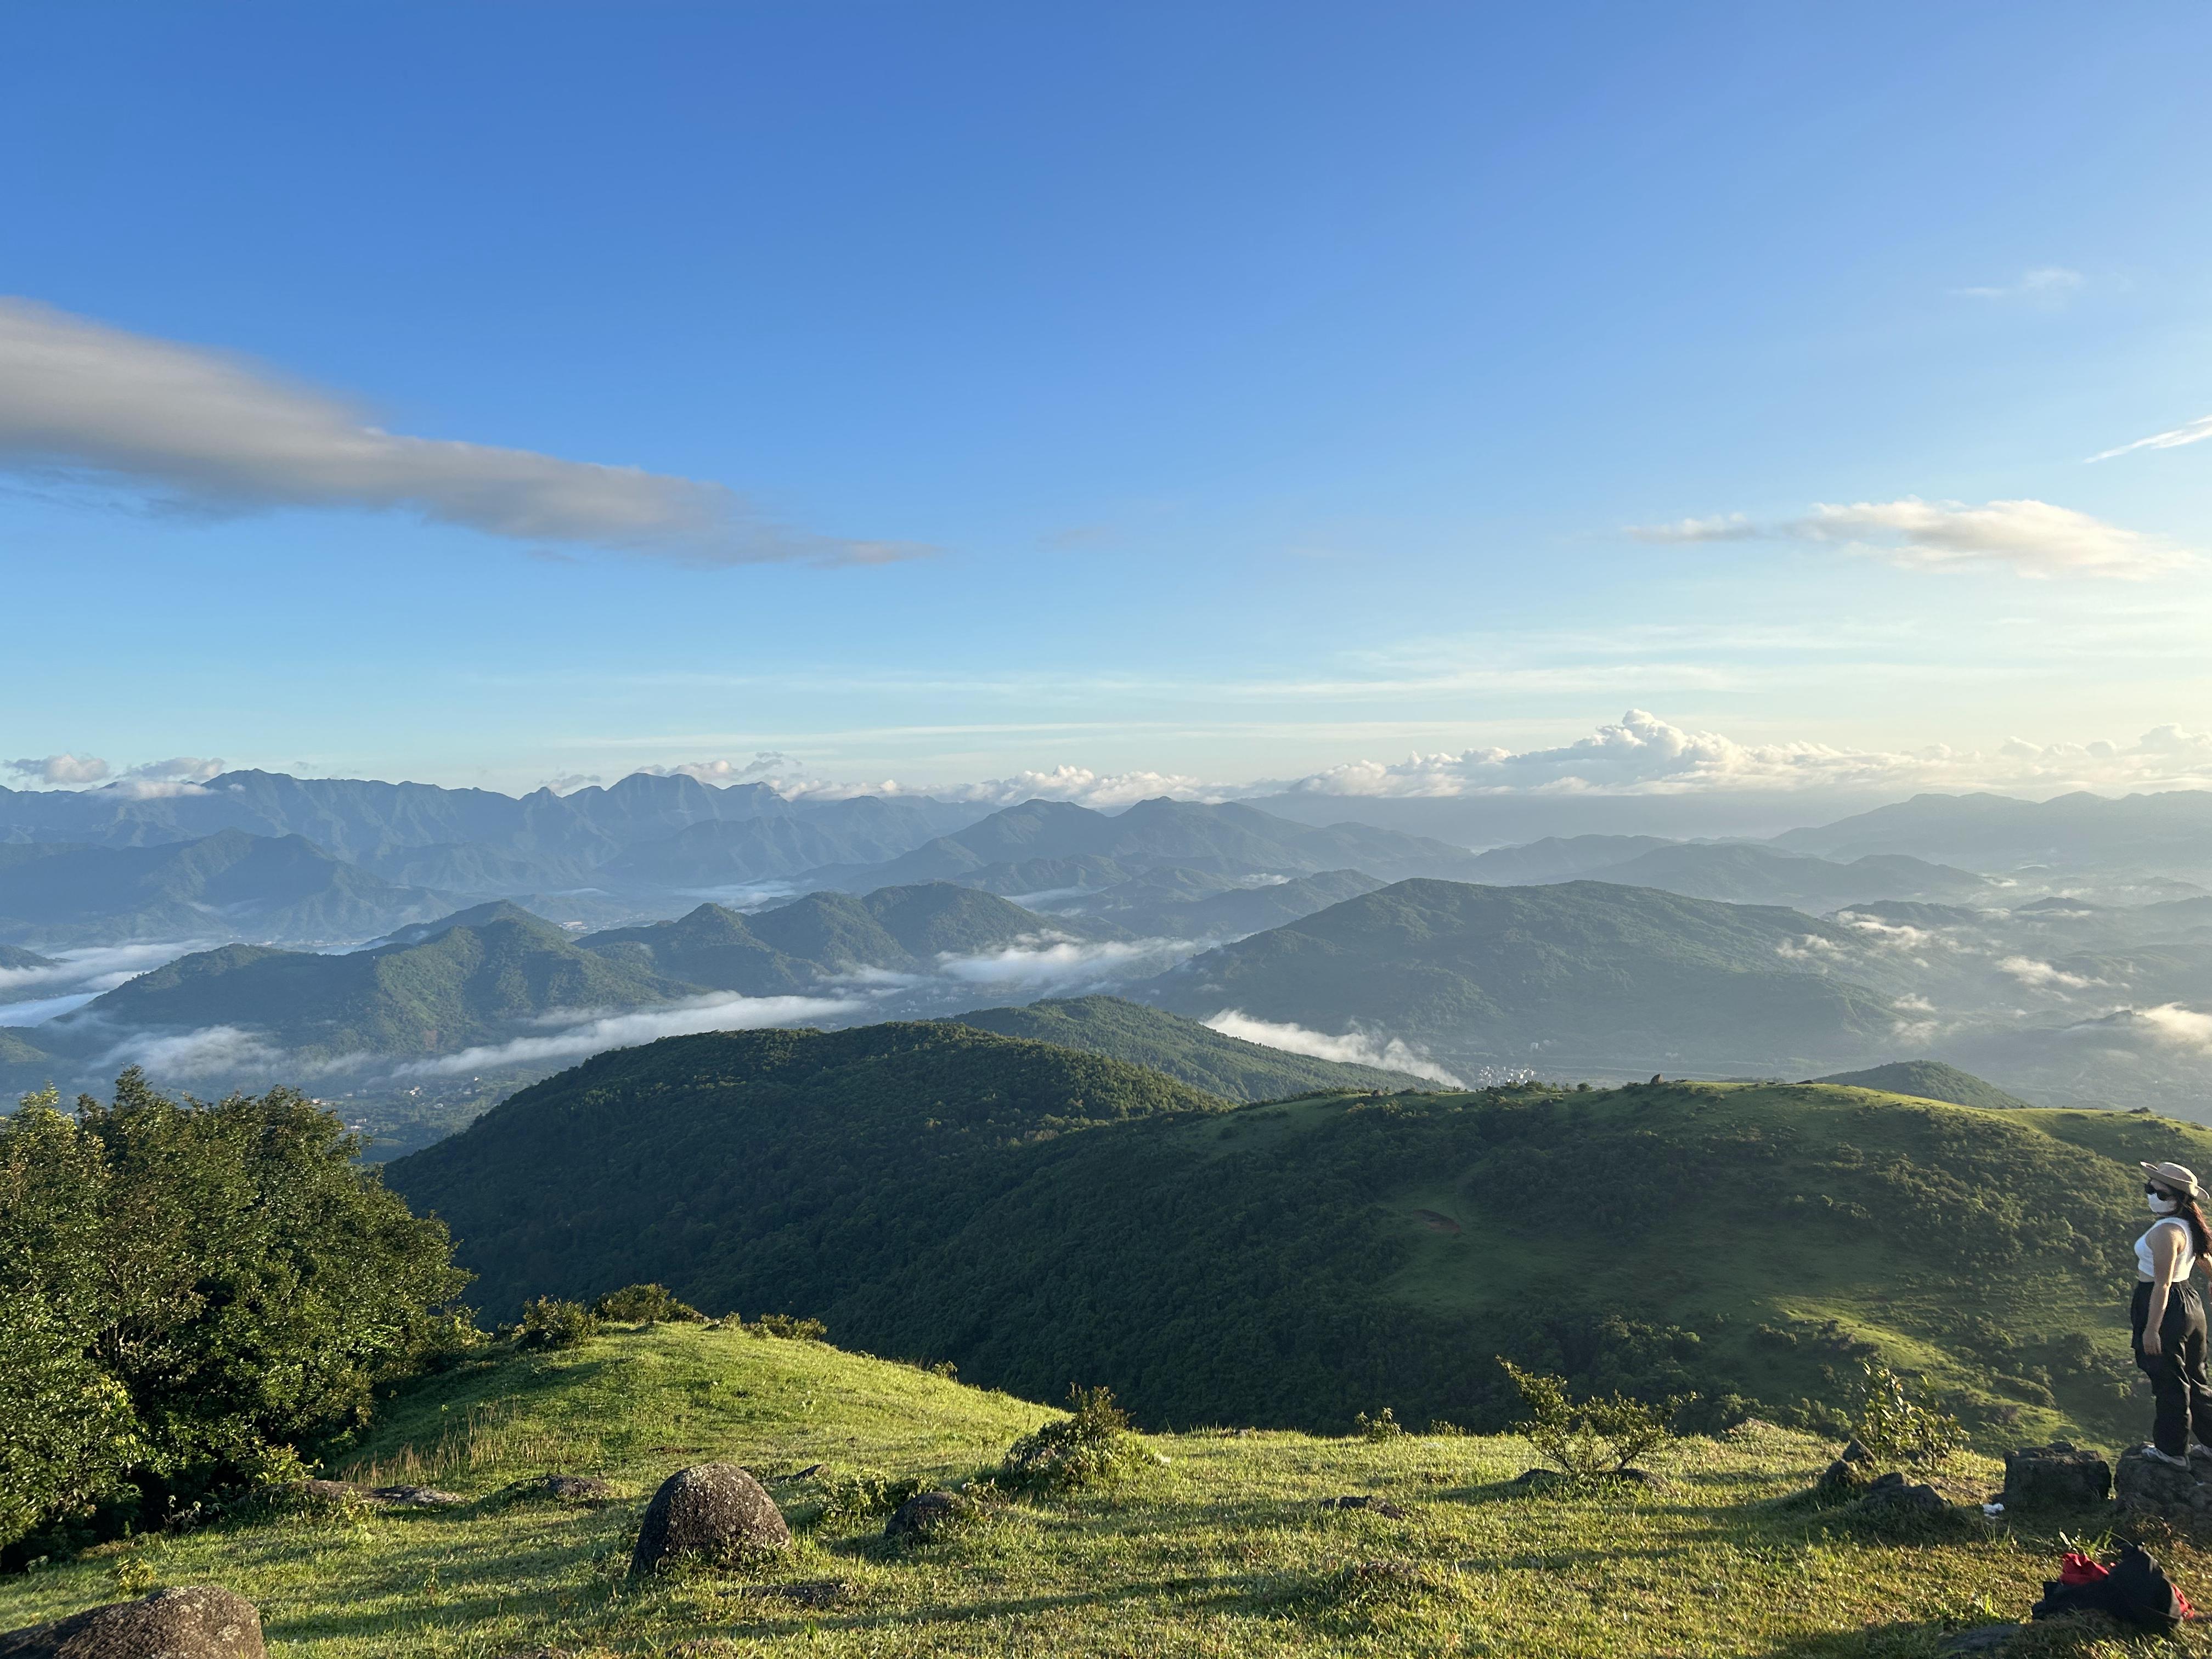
pixel 2177 1378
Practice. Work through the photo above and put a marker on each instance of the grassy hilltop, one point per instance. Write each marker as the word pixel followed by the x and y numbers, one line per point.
pixel 1040 1217
pixel 1223 1551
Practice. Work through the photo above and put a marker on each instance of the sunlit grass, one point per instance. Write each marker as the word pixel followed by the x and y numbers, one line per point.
pixel 1223 1551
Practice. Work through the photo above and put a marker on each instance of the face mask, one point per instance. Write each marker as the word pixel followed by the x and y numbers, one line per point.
pixel 2161 1205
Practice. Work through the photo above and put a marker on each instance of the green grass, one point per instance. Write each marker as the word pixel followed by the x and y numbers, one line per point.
pixel 1222 1551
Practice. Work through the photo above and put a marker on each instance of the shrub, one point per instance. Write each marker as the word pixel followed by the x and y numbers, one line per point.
pixel 1382 1426
pixel 1091 1446
pixel 643 1305
pixel 550 1323
pixel 1901 1422
pixel 185 1287
pixel 786 1326
pixel 1593 1438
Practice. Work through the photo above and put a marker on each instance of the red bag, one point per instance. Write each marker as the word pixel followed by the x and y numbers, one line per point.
pixel 2080 1569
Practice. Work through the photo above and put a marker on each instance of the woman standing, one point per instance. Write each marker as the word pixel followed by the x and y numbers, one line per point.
pixel 2169 1313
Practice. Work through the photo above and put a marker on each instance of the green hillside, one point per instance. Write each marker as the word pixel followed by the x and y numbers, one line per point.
pixel 1186 1050
pixel 13 959
pixel 1294 1264
pixel 459 986
pixel 731 1150
pixel 1223 1548
pixel 1590 971
pixel 1930 1079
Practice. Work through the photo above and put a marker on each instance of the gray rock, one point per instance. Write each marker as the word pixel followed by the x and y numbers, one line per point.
pixel 1382 1506
pixel 2057 1476
pixel 425 1497
pixel 198 1621
pixel 2149 1489
pixel 578 1489
pixel 1893 1493
pixel 714 1510
pixel 928 1515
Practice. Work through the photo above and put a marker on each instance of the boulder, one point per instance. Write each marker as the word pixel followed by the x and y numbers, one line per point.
pixel 927 1514
pixel 577 1489
pixel 427 1497
pixel 1893 1493
pixel 2146 1489
pixel 198 1621
pixel 2057 1476
pixel 1848 1477
pixel 715 1511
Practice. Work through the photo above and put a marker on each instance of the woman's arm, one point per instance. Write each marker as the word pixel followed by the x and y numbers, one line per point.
pixel 2165 1248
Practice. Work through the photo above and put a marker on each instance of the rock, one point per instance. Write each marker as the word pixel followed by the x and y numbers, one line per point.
pixel 1982 1638
pixel 199 1621
pixel 1893 1493
pixel 333 1492
pixel 1540 1480
pixel 2057 1476
pixel 2152 1491
pixel 1382 1506
pixel 425 1497
pixel 712 1510
pixel 578 1489
pixel 927 1514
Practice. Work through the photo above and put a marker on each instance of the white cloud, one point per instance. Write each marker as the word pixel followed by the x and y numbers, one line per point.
pixel 213 1051
pixel 215 431
pixel 2031 538
pixel 95 969
pixel 2044 975
pixel 2169 1025
pixel 1359 1049
pixel 764 765
pixel 1101 790
pixel 592 1033
pixel 2045 285
pixel 60 768
pixel 1646 755
pixel 1049 965
pixel 181 768
pixel 2194 432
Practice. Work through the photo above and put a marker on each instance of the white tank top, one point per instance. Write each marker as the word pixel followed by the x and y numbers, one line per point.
pixel 2147 1268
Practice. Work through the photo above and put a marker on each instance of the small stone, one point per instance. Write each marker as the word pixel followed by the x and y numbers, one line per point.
pixel 578 1489
pixel 198 1621
pixel 1893 1493
pixel 1382 1506
pixel 425 1497
pixel 715 1511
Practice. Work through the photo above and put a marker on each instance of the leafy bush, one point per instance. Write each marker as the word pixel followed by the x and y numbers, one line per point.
pixel 187 1289
pixel 1901 1422
pixel 1091 1446
pixel 644 1304
pixel 1382 1426
pixel 550 1323
pixel 1593 1438
pixel 786 1326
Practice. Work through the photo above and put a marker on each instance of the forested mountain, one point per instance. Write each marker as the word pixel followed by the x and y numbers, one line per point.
pixel 2170 833
pixel 1184 1050
pixel 227 885
pixel 1736 872
pixel 1031 1213
pixel 1586 970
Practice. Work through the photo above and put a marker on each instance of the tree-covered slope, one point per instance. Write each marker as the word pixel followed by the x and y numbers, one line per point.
pixel 933 1190
pixel 463 984
pixel 1184 1050
pixel 1586 969
pixel 724 1154
pixel 1930 1079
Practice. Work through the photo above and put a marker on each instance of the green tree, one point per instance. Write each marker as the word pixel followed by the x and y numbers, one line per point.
pixel 217 1280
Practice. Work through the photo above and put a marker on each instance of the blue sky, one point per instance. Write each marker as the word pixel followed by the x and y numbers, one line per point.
pixel 1210 393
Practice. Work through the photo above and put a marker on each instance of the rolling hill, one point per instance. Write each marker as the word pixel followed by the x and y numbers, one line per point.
pixel 1188 1052
pixel 1589 970
pixel 1736 872
pixel 1930 1079
pixel 1037 1215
